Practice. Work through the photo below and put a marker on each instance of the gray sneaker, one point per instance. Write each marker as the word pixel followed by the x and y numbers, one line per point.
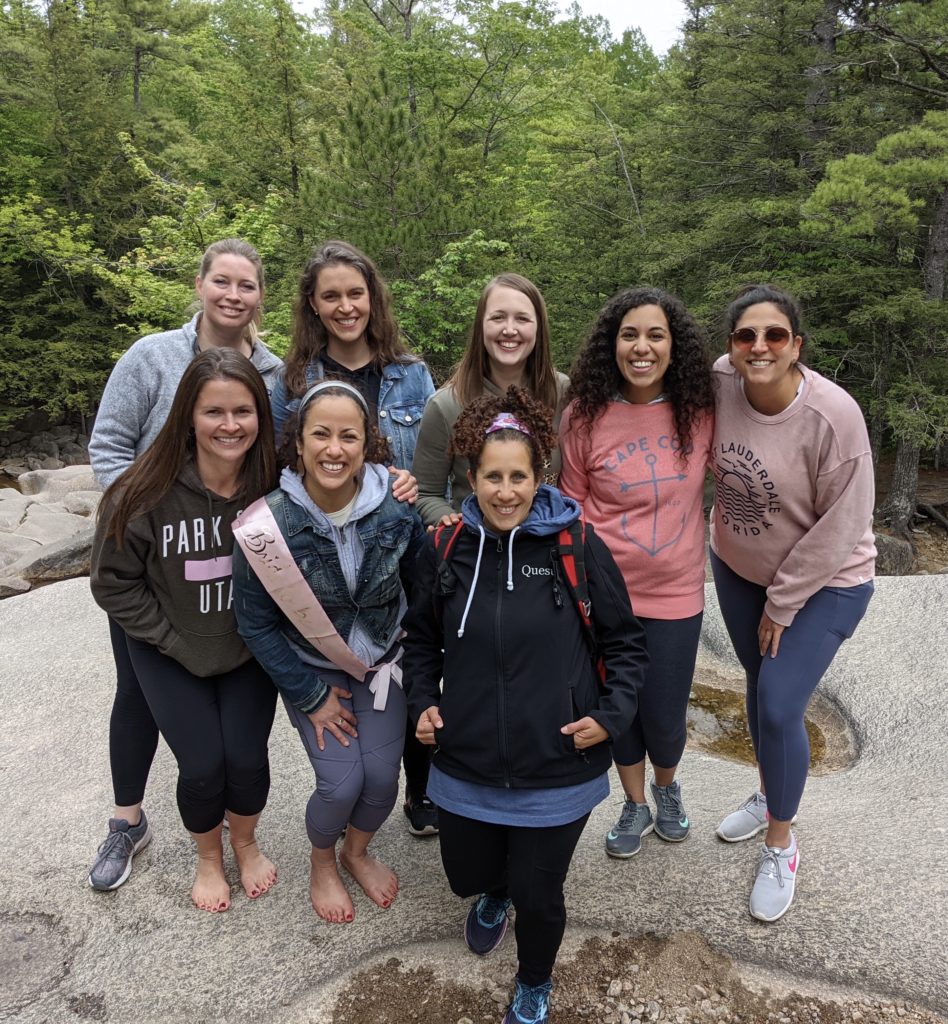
pixel 671 821
pixel 749 819
pixel 625 838
pixel 113 862
pixel 776 880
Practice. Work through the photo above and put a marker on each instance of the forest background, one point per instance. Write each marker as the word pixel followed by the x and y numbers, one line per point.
pixel 800 142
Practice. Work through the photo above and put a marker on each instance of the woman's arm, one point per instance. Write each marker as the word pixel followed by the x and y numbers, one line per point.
pixel 120 421
pixel 259 622
pixel 423 663
pixel 574 478
pixel 844 499
pixel 118 579
pixel 281 405
pixel 432 464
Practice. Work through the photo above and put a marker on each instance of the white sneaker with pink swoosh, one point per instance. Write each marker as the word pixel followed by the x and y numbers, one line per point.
pixel 776 880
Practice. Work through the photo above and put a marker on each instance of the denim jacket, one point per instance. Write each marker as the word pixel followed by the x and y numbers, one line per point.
pixel 404 392
pixel 391 535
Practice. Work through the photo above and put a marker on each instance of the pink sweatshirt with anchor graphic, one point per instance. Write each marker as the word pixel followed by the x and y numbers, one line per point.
pixel 642 501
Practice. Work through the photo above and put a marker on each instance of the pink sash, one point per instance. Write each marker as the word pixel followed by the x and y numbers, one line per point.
pixel 258 535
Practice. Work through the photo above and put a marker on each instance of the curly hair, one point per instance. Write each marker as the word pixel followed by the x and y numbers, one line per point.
pixel 375 448
pixel 595 378
pixel 470 431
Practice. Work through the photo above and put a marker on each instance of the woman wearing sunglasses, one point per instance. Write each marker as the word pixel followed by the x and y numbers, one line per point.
pixel 793 555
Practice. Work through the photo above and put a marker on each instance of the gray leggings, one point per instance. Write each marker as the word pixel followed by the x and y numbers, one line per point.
pixel 357 784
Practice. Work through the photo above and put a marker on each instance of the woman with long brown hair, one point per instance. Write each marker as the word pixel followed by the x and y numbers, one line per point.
pixel 161 568
pixel 509 345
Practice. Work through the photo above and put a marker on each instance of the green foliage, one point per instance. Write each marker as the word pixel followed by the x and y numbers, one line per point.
pixel 805 143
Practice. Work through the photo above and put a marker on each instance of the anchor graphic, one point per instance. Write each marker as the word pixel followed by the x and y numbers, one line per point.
pixel 650 461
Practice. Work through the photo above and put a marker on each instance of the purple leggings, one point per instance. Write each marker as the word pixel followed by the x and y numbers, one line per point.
pixel 779 689
pixel 358 783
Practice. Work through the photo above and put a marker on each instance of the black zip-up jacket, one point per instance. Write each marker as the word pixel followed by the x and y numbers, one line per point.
pixel 522 668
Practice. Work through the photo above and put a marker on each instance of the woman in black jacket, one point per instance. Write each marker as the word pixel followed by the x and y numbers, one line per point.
pixel 524 724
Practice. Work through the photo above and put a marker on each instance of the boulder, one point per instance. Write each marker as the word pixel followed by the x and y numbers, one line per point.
pixel 48 526
pixel 895 556
pixel 62 560
pixel 82 503
pixel 10 586
pixel 13 506
pixel 13 547
pixel 52 484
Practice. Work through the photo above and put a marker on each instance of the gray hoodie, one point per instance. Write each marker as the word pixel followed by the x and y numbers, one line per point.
pixel 139 393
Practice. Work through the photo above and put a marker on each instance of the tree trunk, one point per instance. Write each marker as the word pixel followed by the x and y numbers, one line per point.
pixel 900 505
pixel 823 39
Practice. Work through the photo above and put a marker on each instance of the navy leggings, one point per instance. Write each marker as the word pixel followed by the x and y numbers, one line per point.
pixel 779 689
pixel 358 783
pixel 527 864
pixel 217 728
pixel 659 728
pixel 133 734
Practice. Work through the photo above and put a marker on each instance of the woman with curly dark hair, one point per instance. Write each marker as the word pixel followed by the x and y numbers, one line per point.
pixel 523 725
pixel 636 442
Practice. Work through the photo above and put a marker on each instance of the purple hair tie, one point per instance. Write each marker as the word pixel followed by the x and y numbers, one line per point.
pixel 507 421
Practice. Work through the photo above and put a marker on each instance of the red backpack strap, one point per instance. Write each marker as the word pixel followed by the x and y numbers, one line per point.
pixel 572 557
pixel 572 551
pixel 444 538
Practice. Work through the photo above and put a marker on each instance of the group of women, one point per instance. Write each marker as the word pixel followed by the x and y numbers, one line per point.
pixel 504 639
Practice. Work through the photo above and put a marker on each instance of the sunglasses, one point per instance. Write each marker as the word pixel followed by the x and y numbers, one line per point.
pixel 776 337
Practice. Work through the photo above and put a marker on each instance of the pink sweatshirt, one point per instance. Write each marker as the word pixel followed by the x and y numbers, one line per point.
pixel 794 492
pixel 644 504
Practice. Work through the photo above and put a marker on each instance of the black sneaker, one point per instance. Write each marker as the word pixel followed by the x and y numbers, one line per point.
pixel 422 816
pixel 113 862
pixel 486 924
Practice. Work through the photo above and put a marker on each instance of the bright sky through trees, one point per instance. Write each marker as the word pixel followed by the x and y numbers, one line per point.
pixel 659 20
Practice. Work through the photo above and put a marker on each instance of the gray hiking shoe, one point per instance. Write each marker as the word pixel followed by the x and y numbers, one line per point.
pixel 776 880
pixel 671 821
pixel 749 819
pixel 624 839
pixel 113 862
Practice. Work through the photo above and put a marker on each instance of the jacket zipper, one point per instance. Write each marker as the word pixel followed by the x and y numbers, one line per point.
pixel 502 701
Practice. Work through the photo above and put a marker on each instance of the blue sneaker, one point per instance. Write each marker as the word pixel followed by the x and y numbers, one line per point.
pixel 113 862
pixel 671 821
pixel 624 839
pixel 531 1004
pixel 486 924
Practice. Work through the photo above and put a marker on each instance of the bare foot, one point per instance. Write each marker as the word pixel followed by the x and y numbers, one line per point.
pixel 377 880
pixel 327 893
pixel 210 891
pixel 257 873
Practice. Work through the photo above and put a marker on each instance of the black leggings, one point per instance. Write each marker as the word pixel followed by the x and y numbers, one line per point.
pixel 217 728
pixel 527 864
pixel 133 734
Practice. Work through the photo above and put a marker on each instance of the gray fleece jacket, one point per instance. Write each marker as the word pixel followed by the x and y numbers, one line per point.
pixel 139 393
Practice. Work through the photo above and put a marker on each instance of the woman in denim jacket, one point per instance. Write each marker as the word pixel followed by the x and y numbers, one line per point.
pixel 343 328
pixel 355 545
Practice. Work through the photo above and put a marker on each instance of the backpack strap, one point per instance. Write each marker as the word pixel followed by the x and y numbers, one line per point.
pixel 444 538
pixel 571 553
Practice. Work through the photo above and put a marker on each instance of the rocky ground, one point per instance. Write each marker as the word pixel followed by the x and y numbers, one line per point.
pixel 617 980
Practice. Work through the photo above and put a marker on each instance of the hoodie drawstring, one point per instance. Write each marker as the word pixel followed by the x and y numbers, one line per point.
pixel 510 558
pixel 477 569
